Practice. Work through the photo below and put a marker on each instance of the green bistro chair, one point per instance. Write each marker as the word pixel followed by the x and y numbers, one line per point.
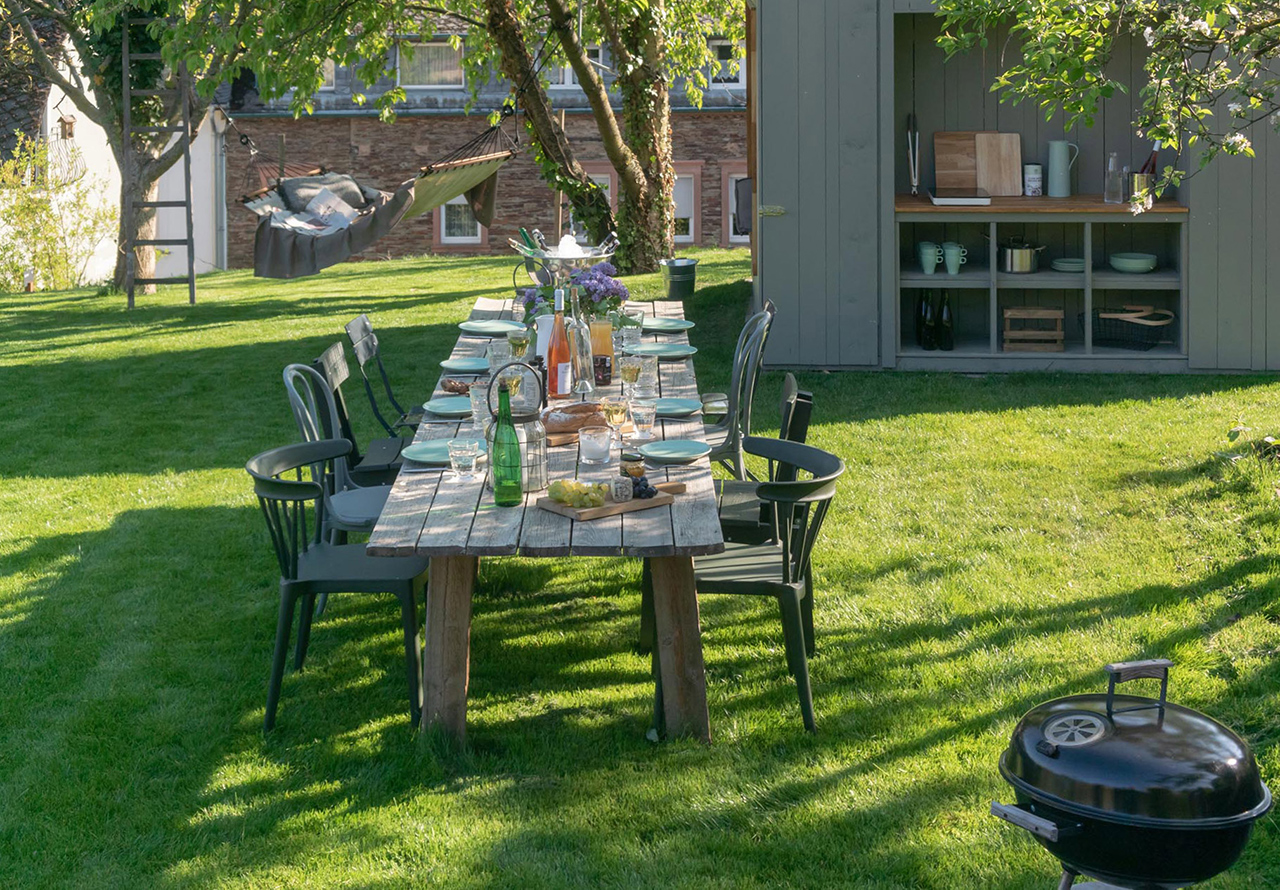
pixel 779 568
pixel 380 461
pixel 364 343
pixel 725 435
pixel 310 566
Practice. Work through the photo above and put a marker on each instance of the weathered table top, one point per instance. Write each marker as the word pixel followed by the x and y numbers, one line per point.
pixel 430 514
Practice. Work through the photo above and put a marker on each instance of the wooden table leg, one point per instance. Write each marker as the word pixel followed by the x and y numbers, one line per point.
pixel 679 647
pixel 447 658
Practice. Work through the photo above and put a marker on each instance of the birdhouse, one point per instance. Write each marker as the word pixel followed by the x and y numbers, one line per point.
pixel 67 126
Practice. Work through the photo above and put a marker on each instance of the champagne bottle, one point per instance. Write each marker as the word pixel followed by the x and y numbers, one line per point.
pixel 946 324
pixel 508 487
pixel 584 374
pixel 929 323
pixel 559 358
pixel 922 305
pixel 541 239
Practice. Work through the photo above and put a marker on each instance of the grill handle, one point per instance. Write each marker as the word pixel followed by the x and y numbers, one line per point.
pixel 1037 825
pixel 1124 671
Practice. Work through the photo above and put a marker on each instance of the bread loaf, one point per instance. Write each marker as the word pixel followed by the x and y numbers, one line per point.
pixel 571 418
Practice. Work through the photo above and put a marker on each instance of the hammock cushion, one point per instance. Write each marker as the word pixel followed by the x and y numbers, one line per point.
pixel 298 191
pixel 434 187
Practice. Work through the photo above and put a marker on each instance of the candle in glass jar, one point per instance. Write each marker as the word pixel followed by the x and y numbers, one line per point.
pixel 594 443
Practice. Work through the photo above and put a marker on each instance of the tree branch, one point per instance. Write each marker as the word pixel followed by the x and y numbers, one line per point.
pixel 49 69
pixel 622 55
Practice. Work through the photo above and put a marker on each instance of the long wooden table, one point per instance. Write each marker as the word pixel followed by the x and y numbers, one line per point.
pixel 454 523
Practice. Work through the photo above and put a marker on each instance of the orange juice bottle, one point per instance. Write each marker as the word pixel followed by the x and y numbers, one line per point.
pixel 602 350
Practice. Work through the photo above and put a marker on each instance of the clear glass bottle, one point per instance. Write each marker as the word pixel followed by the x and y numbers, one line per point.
pixel 1113 180
pixel 584 372
pixel 508 488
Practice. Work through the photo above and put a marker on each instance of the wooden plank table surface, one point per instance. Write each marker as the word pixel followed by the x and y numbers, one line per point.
pixel 454 523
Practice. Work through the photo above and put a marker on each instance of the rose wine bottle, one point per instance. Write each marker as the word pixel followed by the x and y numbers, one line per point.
pixel 559 357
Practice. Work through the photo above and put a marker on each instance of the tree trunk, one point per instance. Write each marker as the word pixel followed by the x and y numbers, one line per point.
pixel 143 223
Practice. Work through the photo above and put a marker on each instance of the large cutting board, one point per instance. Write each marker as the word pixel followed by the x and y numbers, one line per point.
pixel 998 159
pixel 955 159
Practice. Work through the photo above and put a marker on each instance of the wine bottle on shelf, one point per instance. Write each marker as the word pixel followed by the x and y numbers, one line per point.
pixel 922 306
pixel 508 487
pixel 946 324
pixel 559 358
pixel 584 374
pixel 929 323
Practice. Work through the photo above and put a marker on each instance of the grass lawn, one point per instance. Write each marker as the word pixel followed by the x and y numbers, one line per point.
pixel 994 542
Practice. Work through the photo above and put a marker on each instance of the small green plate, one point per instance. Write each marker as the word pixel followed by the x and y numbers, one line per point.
pixel 665 325
pixel 449 406
pixel 466 364
pixel 664 351
pixel 677 407
pixel 432 451
pixel 491 327
pixel 675 451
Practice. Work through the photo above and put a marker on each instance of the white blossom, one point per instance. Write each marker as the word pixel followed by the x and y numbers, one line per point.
pixel 1275 119
pixel 1149 34
pixel 1200 25
pixel 1235 108
pixel 1237 142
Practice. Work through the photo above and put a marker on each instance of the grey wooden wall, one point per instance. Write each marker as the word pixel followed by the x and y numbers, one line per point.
pixel 820 91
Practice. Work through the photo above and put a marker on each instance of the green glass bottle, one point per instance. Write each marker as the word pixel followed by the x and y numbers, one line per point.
pixel 508 487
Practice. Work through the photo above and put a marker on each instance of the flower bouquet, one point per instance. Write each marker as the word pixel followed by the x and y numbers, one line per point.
pixel 600 293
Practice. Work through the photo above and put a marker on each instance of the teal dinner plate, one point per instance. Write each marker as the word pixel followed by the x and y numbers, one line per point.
pixel 664 351
pixel 665 325
pixel 432 451
pixel 491 327
pixel 468 364
pixel 450 406
pixel 675 451
pixel 677 407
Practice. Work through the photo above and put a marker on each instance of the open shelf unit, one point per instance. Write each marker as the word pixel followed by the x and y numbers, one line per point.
pixel 1082 226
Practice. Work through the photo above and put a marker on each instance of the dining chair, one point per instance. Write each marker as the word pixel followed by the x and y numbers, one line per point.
pixel 364 343
pixel 725 435
pixel 349 506
pixel 289 483
pixel 780 568
pixel 380 461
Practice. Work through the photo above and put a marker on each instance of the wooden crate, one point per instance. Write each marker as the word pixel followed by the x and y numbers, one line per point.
pixel 1033 329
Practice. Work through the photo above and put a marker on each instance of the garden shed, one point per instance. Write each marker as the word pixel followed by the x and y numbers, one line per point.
pixel 834 84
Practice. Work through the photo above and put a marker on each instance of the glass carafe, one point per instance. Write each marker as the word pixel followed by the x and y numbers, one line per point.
pixel 1113 180
pixel 584 372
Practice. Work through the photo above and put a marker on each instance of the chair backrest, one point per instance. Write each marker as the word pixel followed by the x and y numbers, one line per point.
pixel 315 412
pixel 364 343
pixel 799 504
pixel 795 411
pixel 754 364
pixel 284 502
pixel 332 365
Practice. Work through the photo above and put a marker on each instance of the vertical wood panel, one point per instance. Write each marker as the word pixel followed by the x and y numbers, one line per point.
pixel 1235 243
pixel 1271 247
pixel 1258 312
pixel 812 207
pixel 1202 312
pixel 857 65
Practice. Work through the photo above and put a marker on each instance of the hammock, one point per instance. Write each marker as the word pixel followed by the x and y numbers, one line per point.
pixel 291 242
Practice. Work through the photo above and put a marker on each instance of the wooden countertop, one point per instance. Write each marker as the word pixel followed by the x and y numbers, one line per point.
pixel 1074 204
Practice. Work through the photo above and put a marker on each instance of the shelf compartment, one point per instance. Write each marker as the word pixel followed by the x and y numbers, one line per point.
pixel 969 277
pixel 1106 278
pixel 1052 280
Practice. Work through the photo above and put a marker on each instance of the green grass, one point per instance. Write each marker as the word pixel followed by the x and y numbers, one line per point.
pixel 995 541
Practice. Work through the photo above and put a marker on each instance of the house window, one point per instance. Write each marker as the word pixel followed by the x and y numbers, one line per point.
pixel 732 72
pixel 739 214
pixel 330 75
pixel 430 65
pixel 566 79
pixel 458 225
pixel 686 209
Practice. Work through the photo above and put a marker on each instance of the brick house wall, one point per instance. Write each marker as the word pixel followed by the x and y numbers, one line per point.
pixel 711 142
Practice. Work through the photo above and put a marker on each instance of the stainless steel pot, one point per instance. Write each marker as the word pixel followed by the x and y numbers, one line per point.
pixel 1019 257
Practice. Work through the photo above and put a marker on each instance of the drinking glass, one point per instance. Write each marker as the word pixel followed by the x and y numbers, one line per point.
pixel 643 413
pixel 595 444
pixel 463 455
pixel 519 341
pixel 499 354
pixel 630 337
pixel 629 371
pixel 634 315
pixel 648 370
pixel 479 393
pixel 513 378
pixel 615 414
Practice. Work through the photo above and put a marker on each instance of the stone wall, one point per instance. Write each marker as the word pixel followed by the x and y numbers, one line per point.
pixel 385 155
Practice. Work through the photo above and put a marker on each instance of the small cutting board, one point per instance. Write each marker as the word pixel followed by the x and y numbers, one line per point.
pixel 611 508
pixel 955 159
pixel 999 163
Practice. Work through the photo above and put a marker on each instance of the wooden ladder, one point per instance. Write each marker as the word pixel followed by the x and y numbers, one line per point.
pixel 132 241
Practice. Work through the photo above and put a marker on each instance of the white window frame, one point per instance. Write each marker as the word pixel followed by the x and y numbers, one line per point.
pixel 330 82
pixel 566 78
pixel 416 44
pixel 446 238
pixel 695 200
pixel 733 180
pixel 739 80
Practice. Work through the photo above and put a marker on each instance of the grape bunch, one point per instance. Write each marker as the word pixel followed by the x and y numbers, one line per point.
pixel 578 494
pixel 641 488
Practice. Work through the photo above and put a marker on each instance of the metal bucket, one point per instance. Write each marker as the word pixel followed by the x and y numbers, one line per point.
pixel 680 275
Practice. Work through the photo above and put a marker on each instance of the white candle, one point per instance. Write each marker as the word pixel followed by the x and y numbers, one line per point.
pixel 594 444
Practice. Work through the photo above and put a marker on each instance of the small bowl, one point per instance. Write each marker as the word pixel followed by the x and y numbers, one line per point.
pixel 1132 263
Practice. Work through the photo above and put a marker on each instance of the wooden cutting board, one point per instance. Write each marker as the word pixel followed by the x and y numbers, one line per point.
pixel 998 158
pixel 955 159
pixel 610 508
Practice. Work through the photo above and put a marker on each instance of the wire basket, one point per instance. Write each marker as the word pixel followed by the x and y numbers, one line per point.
pixel 1133 327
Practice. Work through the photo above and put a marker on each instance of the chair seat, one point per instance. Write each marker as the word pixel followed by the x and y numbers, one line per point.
pixel 358 509
pixel 743 568
pixel 346 568
pixel 381 454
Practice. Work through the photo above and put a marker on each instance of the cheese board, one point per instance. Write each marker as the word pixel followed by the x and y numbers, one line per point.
pixel 555 439
pixel 664 497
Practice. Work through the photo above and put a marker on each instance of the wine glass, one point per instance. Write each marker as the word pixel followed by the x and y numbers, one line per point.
pixel 519 341
pixel 629 370
pixel 615 415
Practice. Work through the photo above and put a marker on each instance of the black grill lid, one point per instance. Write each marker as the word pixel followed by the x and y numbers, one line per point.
pixel 1134 760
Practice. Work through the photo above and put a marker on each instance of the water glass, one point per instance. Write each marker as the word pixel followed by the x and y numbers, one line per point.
pixel 630 337
pixel 499 354
pixel 480 415
pixel 634 315
pixel 595 444
pixel 463 456
pixel 643 414
pixel 648 371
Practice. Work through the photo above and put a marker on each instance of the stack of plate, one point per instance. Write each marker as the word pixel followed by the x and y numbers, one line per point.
pixel 1133 263
pixel 1068 264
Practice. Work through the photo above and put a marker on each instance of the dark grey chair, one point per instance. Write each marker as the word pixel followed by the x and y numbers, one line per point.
pixel 364 343
pixel 310 566
pixel 380 461
pixel 780 568
pixel 734 408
